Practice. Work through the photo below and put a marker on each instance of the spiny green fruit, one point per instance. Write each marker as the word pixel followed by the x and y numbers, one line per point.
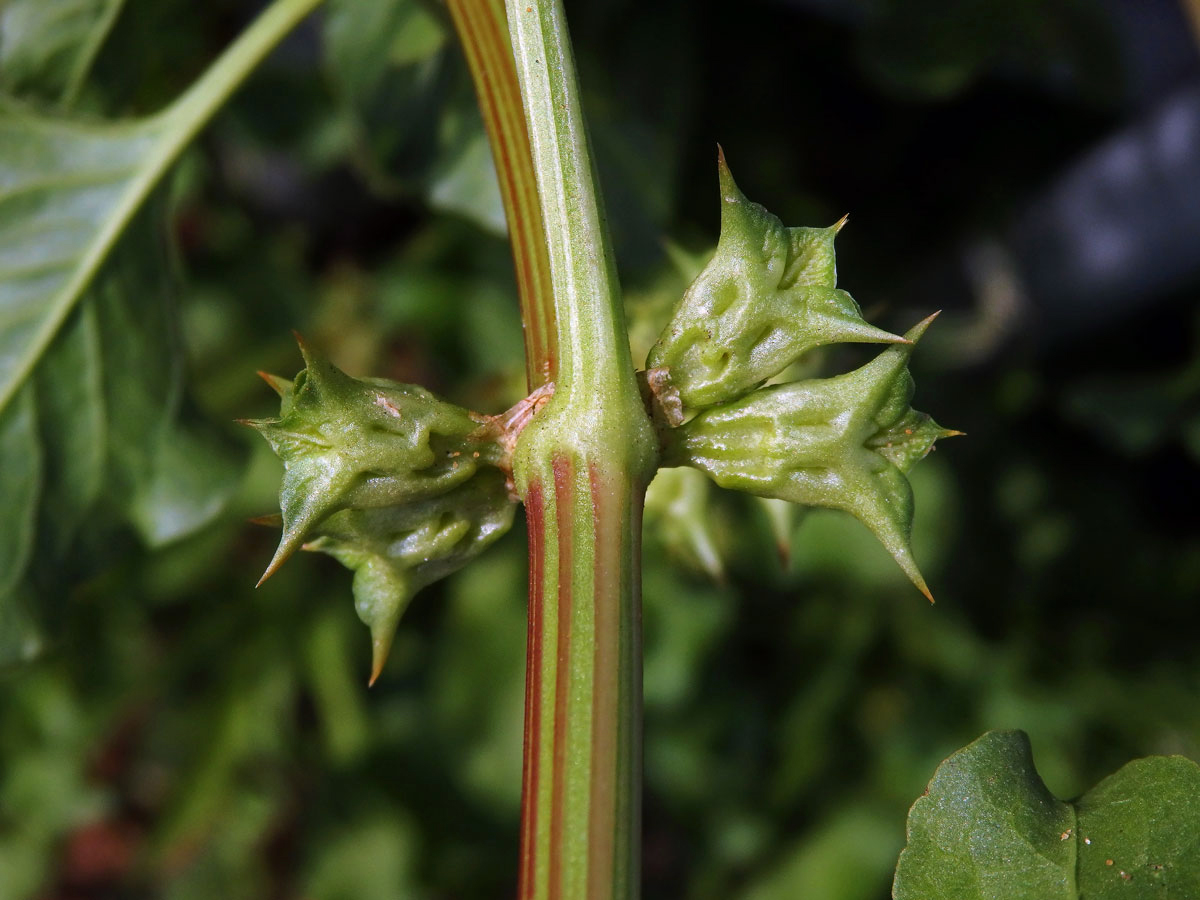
pixel 782 518
pixel 677 513
pixel 844 443
pixel 397 485
pixel 767 297
pixel 365 443
pixel 395 551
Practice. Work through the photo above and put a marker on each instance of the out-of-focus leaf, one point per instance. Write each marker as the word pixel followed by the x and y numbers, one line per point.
pixel 44 790
pixel 98 431
pixel 337 693
pixel 47 46
pixel 365 41
pixel 18 488
pixel 680 638
pixel 222 786
pixel 844 858
pixel 86 334
pixel 935 49
pixel 464 181
pixel 69 190
pixel 400 78
pixel 373 859
pixel 477 679
pixel 987 827
pixel 230 864
pixel 68 193
pixel 678 517
pixel 1136 415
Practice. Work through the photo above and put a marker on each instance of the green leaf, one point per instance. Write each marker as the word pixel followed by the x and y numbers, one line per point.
pixel 47 46
pixel 987 828
pixel 1146 819
pixel 68 190
pixel 102 424
pixel 372 858
pixel 90 365
pixel 18 488
pixel 847 856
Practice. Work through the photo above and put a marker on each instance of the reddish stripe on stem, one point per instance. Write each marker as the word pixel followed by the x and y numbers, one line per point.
pixel 563 473
pixel 483 32
pixel 535 515
pixel 606 724
pixel 630 854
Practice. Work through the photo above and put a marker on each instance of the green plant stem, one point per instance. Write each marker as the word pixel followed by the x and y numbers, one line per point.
pixel 582 467
pixel 483 32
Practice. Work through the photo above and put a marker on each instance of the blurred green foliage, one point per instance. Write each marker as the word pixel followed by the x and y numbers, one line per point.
pixel 183 736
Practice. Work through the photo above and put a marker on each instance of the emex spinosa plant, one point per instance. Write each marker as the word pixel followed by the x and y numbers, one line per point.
pixel 404 488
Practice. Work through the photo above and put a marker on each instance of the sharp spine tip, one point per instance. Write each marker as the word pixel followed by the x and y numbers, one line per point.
pixel 280 557
pixel 277 383
pixel 380 649
pixel 785 555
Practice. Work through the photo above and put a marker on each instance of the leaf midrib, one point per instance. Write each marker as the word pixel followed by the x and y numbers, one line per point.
pixel 175 127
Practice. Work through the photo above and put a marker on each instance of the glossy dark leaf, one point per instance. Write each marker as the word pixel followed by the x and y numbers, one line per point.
pixel 987 828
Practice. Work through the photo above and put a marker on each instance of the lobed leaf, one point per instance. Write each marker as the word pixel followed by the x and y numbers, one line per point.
pixel 988 829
